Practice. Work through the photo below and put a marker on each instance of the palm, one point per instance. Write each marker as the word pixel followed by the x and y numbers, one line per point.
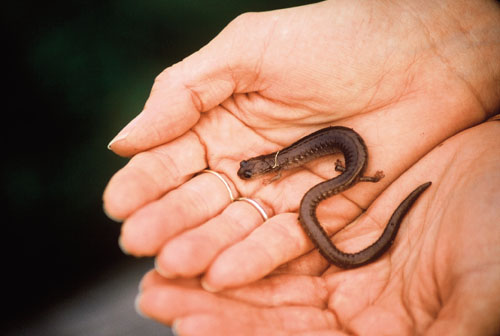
pixel 441 275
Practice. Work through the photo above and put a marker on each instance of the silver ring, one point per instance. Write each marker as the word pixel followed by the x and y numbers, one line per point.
pixel 257 206
pixel 231 196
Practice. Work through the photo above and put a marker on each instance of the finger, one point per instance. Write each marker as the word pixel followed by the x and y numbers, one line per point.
pixel 283 290
pixel 193 203
pixel 311 263
pixel 190 253
pixel 274 291
pixel 279 240
pixel 323 332
pixel 156 302
pixel 195 85
pixel 150 174
pixel 153 279
pixel 169 112
pixel 211 324
pixel 283 322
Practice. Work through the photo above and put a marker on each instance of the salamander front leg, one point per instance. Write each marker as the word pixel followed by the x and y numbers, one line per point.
pixel 274 178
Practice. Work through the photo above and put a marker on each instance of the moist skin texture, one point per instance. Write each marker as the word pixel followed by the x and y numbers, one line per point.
pixel 329 141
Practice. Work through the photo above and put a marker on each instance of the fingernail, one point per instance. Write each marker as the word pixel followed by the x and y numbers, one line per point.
pixel 120 136
pixel 175 327
pixel 114 219
pixel 162 272
pixel 122 246
pixel 208 288
pixel 141 285
pixel 137 309
pixel 125 131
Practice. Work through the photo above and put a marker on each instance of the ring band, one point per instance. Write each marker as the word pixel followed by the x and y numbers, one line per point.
pixel 257 206
pixel 231 196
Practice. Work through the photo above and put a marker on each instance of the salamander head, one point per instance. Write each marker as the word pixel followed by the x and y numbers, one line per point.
pixel 254 167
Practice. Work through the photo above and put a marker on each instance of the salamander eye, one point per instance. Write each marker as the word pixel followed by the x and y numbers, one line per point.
pixel 243 163
pixel 245 173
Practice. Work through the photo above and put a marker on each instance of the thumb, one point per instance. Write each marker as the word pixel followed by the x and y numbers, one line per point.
pixel 185 90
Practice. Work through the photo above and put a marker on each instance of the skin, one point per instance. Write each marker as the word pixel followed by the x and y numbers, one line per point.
pixel 441 277
pixel 416 79
pixel 328 141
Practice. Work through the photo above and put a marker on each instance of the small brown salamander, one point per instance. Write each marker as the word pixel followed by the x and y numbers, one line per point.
pixel 329 141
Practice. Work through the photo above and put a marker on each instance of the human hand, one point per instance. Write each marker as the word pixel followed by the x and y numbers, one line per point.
pixel 269 79
pixel 442 276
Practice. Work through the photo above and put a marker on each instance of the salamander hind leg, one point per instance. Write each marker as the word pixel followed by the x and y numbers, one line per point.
pixel 339 166
pixel 375 178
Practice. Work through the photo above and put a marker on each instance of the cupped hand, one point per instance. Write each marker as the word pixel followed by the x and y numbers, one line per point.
pixel 442 276
pixel 268 79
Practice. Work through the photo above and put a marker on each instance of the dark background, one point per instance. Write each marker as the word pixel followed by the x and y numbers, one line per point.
pixel 74 73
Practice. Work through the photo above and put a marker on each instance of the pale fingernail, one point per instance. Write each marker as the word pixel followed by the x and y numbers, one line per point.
pixel 175 327
pixel 162 272
pixel 122 246
pixel 141 285
pixel 137 308
pixel 114 219
pixel 119 137
pixel 208 288
pixel 125 131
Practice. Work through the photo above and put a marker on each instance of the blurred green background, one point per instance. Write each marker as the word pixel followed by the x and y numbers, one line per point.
pixel 75 73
